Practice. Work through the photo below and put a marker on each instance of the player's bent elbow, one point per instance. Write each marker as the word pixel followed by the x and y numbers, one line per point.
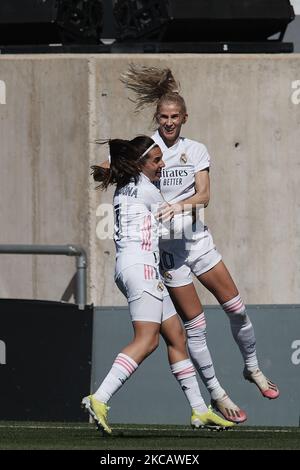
pixel 204 198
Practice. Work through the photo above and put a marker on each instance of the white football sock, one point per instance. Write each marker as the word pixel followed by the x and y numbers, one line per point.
pixel 121 370
pixel 200 355
pixel 242 331
pixel 185 374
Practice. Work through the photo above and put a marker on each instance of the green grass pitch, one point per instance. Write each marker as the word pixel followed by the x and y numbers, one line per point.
pixel 71 436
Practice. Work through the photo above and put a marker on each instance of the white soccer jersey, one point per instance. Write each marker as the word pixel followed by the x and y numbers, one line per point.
pixel 136 228
pixel 183 160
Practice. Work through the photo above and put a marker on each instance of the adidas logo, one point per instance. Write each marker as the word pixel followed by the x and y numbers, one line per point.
pixel 206 367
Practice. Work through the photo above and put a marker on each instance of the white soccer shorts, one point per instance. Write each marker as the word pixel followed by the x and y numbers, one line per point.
pixel 138 279
pixel 179 259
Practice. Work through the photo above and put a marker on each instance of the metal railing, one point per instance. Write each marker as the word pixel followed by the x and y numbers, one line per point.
pixel 69 250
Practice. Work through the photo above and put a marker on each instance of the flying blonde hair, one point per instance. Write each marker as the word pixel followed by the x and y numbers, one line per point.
pixel 150 85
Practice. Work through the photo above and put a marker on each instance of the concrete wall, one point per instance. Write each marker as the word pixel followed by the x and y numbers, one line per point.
pixel 296 6
pixel 44 171
pixel 293 32
pixel 240 106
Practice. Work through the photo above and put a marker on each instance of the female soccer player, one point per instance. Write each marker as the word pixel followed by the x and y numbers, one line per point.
pixel 185 183
pixel 134 166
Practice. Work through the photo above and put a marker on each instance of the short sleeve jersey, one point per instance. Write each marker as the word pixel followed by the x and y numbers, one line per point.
pixel 183 160
pixel 136 228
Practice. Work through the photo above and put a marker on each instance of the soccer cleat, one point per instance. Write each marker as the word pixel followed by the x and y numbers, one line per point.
pixel 98 412
pixel 209 420
pixel 267 388
pixel 229 410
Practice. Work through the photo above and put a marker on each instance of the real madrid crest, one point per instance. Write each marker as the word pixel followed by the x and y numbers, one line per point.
pixel 167 275
pixel 160 286
pixel 183 158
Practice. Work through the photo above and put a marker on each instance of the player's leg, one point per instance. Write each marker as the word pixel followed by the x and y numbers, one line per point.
pixel 176 271
pixel 180 363
pixel 125 364
pixel 182 291
pixel 183 369
pixel 188 306
pixel 146 315
pixel 220 283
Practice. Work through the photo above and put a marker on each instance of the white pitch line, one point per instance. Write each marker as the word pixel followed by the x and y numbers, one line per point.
pixel 195 431
pixel 84 428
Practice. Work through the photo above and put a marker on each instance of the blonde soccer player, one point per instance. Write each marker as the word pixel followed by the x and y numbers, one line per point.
pixel 185 184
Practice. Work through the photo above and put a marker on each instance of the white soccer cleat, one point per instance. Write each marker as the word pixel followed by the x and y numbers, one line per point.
pixel 267 388
pixel 229 410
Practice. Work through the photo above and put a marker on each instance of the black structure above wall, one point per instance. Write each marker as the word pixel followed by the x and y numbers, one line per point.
pixel 145 25
pixel 202 20
pixel 50 21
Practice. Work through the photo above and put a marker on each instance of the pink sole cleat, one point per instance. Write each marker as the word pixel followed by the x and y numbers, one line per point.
pixel 267 388
pixel 229 410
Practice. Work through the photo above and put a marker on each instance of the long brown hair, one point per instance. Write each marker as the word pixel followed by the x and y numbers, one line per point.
pixel 126 161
